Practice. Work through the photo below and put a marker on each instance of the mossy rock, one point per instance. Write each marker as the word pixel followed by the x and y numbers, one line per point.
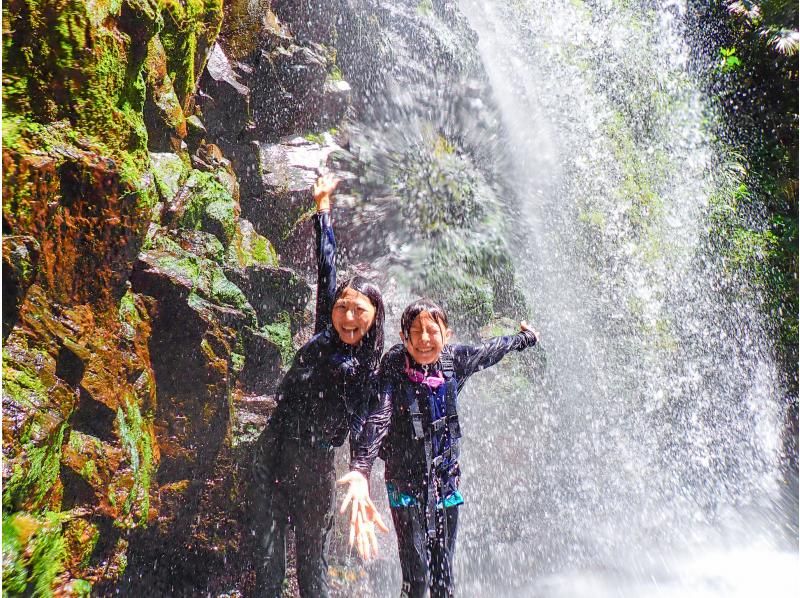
pixel 82 62
pixel 34 551
pixel 170 172
pixel 168 265
pixel 210 207
pixel 190 28
pixel 200 243
pixel 248 248
pixel 163 114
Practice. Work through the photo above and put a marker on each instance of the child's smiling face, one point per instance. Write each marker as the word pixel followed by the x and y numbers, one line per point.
pixel 353 316
pixel 426 339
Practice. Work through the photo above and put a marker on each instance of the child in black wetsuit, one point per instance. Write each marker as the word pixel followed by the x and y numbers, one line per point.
pixel 414 427
pixel 322 397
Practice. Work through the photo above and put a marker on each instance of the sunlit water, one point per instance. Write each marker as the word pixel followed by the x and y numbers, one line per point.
pixel 644 458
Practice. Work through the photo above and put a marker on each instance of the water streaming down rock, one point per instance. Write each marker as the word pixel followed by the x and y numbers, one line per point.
pixel 646 458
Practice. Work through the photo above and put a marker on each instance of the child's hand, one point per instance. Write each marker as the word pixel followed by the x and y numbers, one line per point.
pixel 323 189
pixel 523 326
pixel 363 515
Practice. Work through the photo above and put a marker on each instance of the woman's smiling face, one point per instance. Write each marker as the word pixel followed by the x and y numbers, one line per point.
pixel 426 339
pixel 353 316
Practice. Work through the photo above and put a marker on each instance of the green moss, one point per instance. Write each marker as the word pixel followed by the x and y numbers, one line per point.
pixel 336 73
pixel 206 278
pixel 220 216
pixel 127 312
pixel 280 333
pixel 134 432
pixel 33 553
pixel 22 384
pixel 639 178
pixel 264 252
pixel 237 362
pixel 15 573
pixel 594 218
pixel 248 248
pixel 225 292
pixel 189 29
pixel 211 207
pixel 170 172
pixel 81 588
pixel 35 472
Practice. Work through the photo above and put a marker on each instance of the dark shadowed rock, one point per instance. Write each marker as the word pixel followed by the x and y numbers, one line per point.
pixel 223 99
pixel 272 290
pixel 262 367
pixel 287 85
pixel 20 255
pixel 196 132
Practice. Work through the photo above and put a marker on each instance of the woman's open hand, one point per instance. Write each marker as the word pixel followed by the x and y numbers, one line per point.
pixel 363 515
pixel 323 189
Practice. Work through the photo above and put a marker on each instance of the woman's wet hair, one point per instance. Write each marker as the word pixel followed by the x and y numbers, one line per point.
pixel 411 312
pixel 371 346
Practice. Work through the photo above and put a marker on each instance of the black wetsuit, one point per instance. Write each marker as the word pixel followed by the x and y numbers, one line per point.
pixel 322 397
pixel 415 429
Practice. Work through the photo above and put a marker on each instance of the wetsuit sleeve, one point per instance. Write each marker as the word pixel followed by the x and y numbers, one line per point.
pixel 326 270
pixel 469 359
pixel 360 397
pixel 376 426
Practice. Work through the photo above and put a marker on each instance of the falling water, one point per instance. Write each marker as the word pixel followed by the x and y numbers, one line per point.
pixel 644 458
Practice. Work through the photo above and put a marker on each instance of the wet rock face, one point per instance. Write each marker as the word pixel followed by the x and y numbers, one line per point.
pixel 78 403
pixel 146 321
pixel 163 114
pixel 86 218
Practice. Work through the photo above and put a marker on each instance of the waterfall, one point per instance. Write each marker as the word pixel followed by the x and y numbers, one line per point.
pixel 644 460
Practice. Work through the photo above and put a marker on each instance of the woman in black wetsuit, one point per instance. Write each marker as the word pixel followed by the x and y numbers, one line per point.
pixel 322 398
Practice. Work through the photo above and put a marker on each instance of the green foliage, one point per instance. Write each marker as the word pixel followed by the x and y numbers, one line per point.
pixel 437 188
pixel 729 61
pixel 754 216
pixel 772 20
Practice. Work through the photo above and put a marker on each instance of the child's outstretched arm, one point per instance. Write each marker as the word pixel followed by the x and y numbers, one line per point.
pixel 326 251
pixel 468 359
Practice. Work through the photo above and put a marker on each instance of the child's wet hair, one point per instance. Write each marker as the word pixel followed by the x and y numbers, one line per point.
pixel 373 340
pixel 422 304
